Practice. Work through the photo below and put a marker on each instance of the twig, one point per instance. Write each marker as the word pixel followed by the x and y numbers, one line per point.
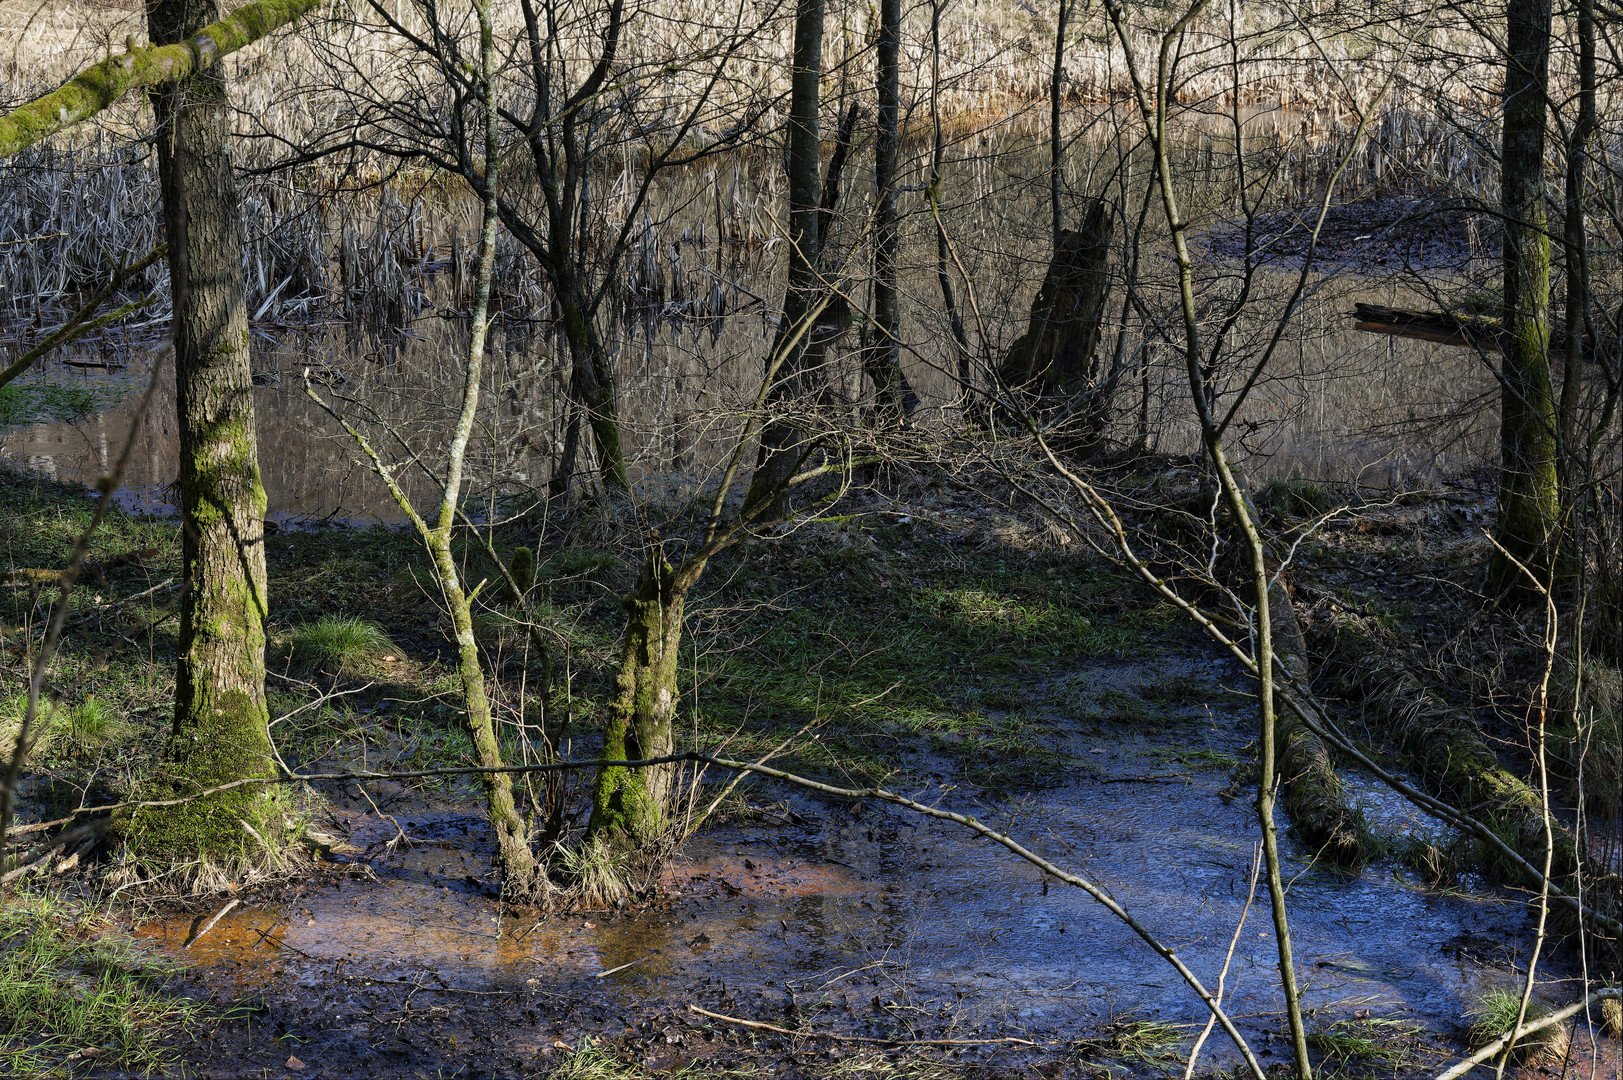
pixel 622 967
pixel 400 833
pixel 38 826
pixel 858 1038
pixel 1222 976
pixel 218 915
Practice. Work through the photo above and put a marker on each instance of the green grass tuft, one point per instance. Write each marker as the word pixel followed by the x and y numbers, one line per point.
pixel 338 646
pixel 1371 1040
pixel 1494 1013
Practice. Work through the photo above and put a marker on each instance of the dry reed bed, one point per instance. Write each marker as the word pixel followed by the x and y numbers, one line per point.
pixel 68 210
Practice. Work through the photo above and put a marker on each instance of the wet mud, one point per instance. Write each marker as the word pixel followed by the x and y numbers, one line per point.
pixel 853 920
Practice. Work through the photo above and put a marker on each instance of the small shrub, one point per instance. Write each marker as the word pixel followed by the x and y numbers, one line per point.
pixel 1299 498
pixel 1592 740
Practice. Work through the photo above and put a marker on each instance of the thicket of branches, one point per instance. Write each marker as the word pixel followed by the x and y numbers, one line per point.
pixel 709 266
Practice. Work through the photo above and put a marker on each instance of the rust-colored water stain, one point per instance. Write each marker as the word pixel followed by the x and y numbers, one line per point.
pixel 243 948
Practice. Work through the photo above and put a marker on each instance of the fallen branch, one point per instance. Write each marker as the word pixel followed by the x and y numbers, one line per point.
pixel 1445 742
pixel 218 915
pixel 77 326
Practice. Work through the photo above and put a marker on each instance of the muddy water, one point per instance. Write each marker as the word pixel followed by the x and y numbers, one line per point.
pixel 901 921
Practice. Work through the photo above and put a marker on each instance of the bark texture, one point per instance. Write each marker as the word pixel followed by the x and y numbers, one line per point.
pixel 1529 495
pixel 784 443
pixel 221 724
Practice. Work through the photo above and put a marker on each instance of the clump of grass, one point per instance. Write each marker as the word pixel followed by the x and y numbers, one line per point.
pixel 1375 1039
pixel 41 732
pixel 338 646
pixel 58 729
pixel 1146 1042
pixel 1438 863
pixel 93 722
pixel 1494 1013
pixel 70 993
pixel 1611 1017
pixel 1180 690
pixel 591 1060
pixel 597 872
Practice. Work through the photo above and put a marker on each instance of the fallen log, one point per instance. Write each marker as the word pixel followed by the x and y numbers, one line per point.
pixel 1465 331
pixel 1472 331
pixel 1315 798
pixel 1444 742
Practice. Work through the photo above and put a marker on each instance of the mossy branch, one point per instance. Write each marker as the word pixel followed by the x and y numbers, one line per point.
pixel 99 87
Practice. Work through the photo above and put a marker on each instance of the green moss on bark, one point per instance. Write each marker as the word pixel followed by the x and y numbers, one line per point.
pixel 632 805
pixel 1443 742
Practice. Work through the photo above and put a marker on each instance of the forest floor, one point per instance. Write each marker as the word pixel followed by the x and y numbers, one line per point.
pixel 942 638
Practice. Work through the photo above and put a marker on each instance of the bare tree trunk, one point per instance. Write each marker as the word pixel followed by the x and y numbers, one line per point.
pixel 221 723
pixel 1056 148
pixel 1054 359
pixel 784 444
pixel 883 357
pixel 1529 496
pixel 938 149
pixel 1576 256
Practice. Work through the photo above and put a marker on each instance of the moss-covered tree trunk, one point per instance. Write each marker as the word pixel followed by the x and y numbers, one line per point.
pixel 522 878
pixel 1445 743
pixel 221 724
pixel 1320 811
pixel 1529 494
pixel 631 806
